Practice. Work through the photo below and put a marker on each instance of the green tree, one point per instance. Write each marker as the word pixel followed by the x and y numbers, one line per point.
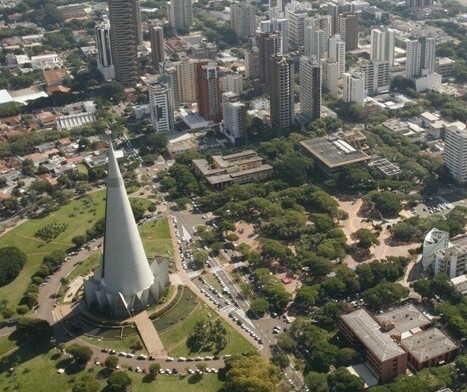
pixel 200 256
pixel 281 361
pixel 259 306
pixel 251 373
pixel 79 240
pixel 119 382
pixel 111 362
pixel 154 369
pixel 317 382
pixel 36 328
pixel 81 354
pixel 12 260
pixel 365 238
pixel 342 380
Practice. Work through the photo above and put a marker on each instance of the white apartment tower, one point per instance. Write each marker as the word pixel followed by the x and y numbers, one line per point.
pixel 337 53
pixel 104 51
pixel 420 57
pixel 329 76
pixel 376 76
pixel 180 14
pixel 455 153
pixel 354 87
pixel 282 93
pixel 243 18
pixel 383 45
pixel 310 88
pixel 231 82
pixel 161 106
pixel 296 20
pixel 233 125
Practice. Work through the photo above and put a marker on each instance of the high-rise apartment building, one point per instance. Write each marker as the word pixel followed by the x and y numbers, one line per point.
pixel 252 63
pixel 354 87
pixel 376 76
pixel 281 26
pixel 337 53
pixel 243 17
pixel 418 3
pixel 420 57
pixel 232 82
pixel 269 45
pixel 310 88
pixel 455 153
pixel 186 80
pixel 296 28
pixel 316 43
pixel 348 30
pixel 383 45
pixel 125 25
pixel 104 51
pixel 180 14
pixel 333 12
pixel 282 94
pixel 156 34
pixel 208 92
pixel 330 76
pixel 233 125
pixel 161 107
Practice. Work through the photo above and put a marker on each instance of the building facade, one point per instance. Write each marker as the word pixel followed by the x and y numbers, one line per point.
pixel 126 35
pixel 208 92
pixel 455 153
pixel 252 63
pixel 348 30
pixel 180 14
pixel 282 93
pixel 243 17
pixel 156 34
pixel 161 107
pixel 310 88
pixel 104 51
pixel 337 53
pixel 354 87
pixel 420 57
pixel 330 76
pixel 383 44
pixel 233 125
pixel 376 76
pixel 269 45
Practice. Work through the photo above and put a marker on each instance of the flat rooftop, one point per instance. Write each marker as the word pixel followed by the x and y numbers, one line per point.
pixel 405 318
pixel 333 152
pixel 429 344
pixel 365 327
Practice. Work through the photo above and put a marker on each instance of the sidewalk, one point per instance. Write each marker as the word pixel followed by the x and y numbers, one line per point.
pixel 149 335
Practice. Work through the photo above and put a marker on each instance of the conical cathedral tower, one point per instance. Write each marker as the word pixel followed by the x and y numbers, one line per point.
pixel 124 283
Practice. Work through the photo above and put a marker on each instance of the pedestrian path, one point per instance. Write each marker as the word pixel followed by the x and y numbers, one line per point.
pixel 149 335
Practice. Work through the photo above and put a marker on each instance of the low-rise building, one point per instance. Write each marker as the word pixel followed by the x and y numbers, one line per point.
pixel 242 167
pixel 55 77
pixel 331 153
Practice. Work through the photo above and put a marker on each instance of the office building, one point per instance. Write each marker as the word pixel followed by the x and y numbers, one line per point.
pixel 348 30
pixel 252 63
pixel 420 57
pixel 383 45
pixel 243 17
pixel 233 125
pixel 282 93
pixel 242 167
pixel 104 51
pixel 124 283
pixel 126 35
pixel 376 76
pixel 310 88
pixel 208 92
pixel 161 107
pixel 337 53
pixel 354 88
pixel 269 46
pixel 180 14
pixel 156 34
pixel 330 76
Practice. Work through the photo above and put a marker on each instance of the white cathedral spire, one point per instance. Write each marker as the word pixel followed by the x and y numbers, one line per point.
pixel 125 283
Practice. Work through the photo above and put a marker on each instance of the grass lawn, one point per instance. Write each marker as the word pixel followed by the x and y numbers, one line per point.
pixel 145 203
pixel 156 238
pixel 171 383
pixel 184 306
pixel 6 345
pixel 174 339
pixel 85 266
pixel 79 215
pixel 35 369
pixel 212 281
pixel 82 168
pixel 123 344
